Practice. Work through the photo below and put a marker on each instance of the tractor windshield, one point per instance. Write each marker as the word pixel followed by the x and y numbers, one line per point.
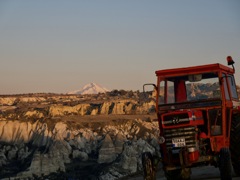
pixel 189 88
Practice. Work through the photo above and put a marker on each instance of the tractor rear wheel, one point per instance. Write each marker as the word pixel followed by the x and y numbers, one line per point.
pixel 225 165
pixel 148 166
pixel 235 143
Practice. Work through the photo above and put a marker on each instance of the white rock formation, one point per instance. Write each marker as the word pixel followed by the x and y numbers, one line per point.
pixel 107 152
pixel 51 149
pixel 7 100
pixel 119 142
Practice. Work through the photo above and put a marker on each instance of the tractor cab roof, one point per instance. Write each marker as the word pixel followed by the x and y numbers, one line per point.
pixel 194 70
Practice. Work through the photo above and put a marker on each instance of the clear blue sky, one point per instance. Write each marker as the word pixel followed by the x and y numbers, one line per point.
pixel 59 46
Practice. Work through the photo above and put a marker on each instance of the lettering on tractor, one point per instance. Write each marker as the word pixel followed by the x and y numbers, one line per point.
pixel 196 128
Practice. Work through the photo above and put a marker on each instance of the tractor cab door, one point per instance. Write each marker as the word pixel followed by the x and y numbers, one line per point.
pixel 230 99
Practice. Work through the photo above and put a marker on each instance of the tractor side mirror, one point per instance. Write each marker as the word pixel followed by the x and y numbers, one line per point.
pixel 150 84
pixel 145 93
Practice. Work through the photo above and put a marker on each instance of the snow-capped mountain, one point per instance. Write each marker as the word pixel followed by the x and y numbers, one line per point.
pixel 91 88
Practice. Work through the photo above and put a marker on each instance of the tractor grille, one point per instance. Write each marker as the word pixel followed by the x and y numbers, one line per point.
pixel 180 118
pixel 188 133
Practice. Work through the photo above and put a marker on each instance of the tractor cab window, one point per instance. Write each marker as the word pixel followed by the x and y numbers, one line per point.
pixel 170 92
pixel 189 88
pixel 205 89
pixel 227 96
pixel 232 86
pixel 166 92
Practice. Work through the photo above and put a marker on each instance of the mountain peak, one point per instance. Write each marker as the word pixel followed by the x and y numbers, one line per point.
pixel 91 88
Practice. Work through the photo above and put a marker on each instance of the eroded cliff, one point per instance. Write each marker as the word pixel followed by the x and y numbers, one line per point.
pixel 74 136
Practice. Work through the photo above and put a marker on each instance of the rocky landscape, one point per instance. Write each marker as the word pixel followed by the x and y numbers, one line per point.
pixel 76 136
pixel 66 136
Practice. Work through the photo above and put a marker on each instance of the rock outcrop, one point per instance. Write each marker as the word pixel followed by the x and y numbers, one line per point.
pixel 40 106
pixel 107 151
pixel 75 136
pixel 38 150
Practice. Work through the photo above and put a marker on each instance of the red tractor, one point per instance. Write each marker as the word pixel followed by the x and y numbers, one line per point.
pixel 198 112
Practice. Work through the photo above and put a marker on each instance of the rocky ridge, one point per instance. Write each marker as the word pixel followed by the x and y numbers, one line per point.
pixel 75 136
pixel 42 106
pixel 29 149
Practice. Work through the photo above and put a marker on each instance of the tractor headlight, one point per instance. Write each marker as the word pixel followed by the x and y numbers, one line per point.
pixel 161 140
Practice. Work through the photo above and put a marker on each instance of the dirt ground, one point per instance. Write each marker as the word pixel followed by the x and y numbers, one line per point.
pixel 110 117
pixel 198 173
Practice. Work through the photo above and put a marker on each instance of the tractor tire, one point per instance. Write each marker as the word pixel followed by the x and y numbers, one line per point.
pixel 149 171
pixel 178 174
pixel 225 165
pixel 235 143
